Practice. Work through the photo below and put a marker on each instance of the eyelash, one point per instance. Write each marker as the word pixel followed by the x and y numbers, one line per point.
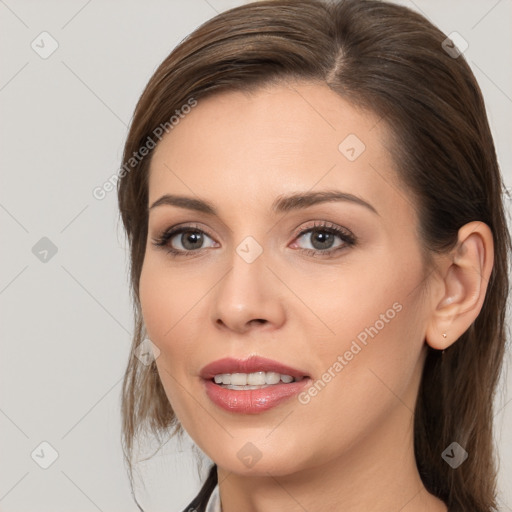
pixel 346 236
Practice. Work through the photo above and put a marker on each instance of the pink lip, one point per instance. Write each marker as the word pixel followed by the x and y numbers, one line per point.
pixel 250 365
pixel 251 401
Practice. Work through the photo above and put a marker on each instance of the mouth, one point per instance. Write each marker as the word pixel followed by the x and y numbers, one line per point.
pixel 251 385
pixel 255 380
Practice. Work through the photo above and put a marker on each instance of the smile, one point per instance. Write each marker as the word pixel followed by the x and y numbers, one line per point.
pixel 254 380
pixel 253 385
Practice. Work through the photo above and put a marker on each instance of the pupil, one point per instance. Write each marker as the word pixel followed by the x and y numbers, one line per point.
pixel 321 240
pixel 193 237
pixel 324 239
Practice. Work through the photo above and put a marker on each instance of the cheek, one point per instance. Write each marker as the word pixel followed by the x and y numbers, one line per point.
pixel 162 309
pixel 167 299
pixel 377 324
pixel 173 304
pixel 369 300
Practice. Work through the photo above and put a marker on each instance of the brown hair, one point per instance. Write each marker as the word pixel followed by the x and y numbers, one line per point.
pixel 391 61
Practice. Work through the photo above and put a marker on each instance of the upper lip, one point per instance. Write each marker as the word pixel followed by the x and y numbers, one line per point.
pixel 249 365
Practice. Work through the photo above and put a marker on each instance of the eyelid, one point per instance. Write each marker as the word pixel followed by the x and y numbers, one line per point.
pixel 347 237
pixel 168 234
pixel 327 225
pixel 192 226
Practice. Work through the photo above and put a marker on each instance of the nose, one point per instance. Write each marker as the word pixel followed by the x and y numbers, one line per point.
pixel 249 296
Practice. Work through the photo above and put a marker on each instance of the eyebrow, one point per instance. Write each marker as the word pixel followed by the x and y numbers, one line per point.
pixel 281 204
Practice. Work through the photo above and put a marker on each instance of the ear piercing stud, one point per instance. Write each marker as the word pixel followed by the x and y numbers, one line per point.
pixel 444 336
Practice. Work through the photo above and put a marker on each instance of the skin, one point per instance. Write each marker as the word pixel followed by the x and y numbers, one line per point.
pixel 350 447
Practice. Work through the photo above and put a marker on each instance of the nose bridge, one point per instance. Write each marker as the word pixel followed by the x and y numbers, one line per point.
pixel 247 292
pixel 245 282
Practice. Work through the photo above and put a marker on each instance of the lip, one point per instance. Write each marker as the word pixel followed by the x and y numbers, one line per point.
pixel 251 401
pixel 249 365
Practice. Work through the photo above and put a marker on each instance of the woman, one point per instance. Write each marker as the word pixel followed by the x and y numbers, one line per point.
pixel 319 259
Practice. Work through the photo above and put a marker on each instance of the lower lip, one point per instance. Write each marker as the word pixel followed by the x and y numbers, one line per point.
pixel 253 401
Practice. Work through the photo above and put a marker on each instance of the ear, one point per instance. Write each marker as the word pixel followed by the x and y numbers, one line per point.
pixel 463 284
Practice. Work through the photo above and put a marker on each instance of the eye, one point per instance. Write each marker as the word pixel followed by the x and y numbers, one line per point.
pixel 189 240
pixel 182 240
pixel 322 237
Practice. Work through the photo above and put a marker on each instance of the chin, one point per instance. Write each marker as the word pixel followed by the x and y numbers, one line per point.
pixel 249 460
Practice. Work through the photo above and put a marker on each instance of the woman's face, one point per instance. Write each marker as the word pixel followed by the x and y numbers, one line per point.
pixel 333 290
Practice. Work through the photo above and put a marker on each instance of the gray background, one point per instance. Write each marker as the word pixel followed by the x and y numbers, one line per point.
pixel 66 321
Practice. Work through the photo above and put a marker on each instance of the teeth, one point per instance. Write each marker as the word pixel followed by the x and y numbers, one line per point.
pixel 245 387
pixel 224 378
pixel 239 379
pixel 252 380
pixel 256 379
pixel 272 377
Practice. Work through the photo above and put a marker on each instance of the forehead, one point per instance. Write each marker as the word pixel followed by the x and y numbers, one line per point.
pixel 276 140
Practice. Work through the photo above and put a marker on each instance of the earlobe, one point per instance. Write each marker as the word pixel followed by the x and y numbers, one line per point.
pixel 464 279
